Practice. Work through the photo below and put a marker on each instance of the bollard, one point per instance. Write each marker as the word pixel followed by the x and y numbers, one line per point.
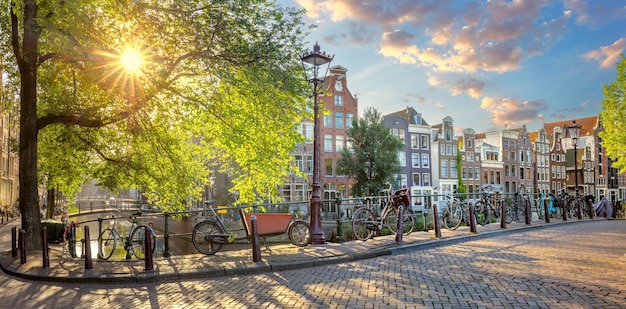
pixel 527 211
pixel 148 249
pixel 87 248
pixel 256 243
pixel 166 235
pixel 502 214
pixel 436 222
pixel 546 211
pixel 22 240
pixel 340 237
pixel 44 244
pixel 399 225
pixel 579 209
pixel 564 207
pixel 472 218
pixel 14 241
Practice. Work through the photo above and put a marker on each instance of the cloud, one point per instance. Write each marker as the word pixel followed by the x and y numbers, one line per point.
pixel 607 55
pixel 472 86
pixel 512 112
pixel 595 12
pixel 447 36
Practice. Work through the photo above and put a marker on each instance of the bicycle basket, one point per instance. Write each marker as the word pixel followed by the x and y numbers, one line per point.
pixel 401 197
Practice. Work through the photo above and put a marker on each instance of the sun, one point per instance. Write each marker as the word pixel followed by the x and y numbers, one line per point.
pixel 132 60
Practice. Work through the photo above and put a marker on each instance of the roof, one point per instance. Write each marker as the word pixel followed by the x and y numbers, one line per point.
pixel 409 114
pixel 587 126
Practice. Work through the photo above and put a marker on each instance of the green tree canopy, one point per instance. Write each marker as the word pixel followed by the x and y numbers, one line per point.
pixel 207 82
pixel 372 158
pixel 613 117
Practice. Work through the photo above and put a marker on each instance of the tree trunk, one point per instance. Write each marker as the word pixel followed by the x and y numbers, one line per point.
pixel 27 58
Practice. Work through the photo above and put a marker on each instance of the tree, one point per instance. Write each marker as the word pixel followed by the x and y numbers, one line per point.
pixel 372 158
pixel 613 117
pixel 150 93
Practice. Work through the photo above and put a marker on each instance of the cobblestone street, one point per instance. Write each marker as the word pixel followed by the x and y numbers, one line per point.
pixel 578 265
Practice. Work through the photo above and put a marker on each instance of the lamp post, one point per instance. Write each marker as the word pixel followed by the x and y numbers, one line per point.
pixel 311 63
pixel 574 133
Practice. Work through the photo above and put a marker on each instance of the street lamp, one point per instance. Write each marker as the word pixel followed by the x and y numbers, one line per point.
pixel 574 133
pixel 311 63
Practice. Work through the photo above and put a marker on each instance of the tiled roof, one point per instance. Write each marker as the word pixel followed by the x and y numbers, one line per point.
pixel 587 126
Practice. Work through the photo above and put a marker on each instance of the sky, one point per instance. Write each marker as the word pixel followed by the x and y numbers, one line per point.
pixel 486 64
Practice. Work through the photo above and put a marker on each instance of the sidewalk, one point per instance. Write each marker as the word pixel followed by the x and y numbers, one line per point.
pixel 227 262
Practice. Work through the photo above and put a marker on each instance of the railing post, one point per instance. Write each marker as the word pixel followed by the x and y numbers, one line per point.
pixel 339 221
pixel 546 211
pixel 564 207
pixel 44 245
pixel 399 225
pixel 87 249
pixel 14 241
pixel 436 221
pixel 148 249
pixel 472 217
pixel 579 209
pixel 166 235
pixel 256 243
pixel 502 214
pixel 527 211
pixel 22 240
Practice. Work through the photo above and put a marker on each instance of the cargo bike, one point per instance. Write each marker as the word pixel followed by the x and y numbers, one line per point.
pixel 209 235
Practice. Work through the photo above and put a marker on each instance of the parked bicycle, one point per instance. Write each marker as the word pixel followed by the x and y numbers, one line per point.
pixel 554 206
pixel 365 221
pixel 211 234
pixel 134 242
pixel 457 212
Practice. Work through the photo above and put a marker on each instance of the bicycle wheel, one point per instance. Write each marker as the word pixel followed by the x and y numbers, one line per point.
pixel 106 244
pixel 480 211
pixel 300 233
pixel 363 223
pixel 138 241
pixel 201 237
pixel 408 222
pixel 540 208
pixel 452 216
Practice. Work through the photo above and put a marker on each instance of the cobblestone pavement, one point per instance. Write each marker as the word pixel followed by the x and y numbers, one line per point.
pixel 574 265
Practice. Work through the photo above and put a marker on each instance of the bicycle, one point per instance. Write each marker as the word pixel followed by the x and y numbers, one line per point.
pixel 365 221
pixel 211 234
pixel 554 206
pixel 134 242
pixel 457 211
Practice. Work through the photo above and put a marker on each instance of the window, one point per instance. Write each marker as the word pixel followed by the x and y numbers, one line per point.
pixel 513 168
pixel 453 173
pixel 553 157
pixel 328 121
pixel 444 168
pixel 416 179
pixel 469 143
pixel 399 133
pixel 339 143
pixel 521 173
pixel 506 155
pixel 415 160
pixel 424 141
pixel 498 181
pixel 414 141
pixel 528 173
pixel 403 180
pixel 338 100
pixel 425 160
pixel 506 143
pixel 513 144
pixel 328 143
pixel 328 163
pixel 507 170
pixel 349 119
pixel 402 158
pixel 309 164
pixel 448 150
pixel 470 173
pixel 443 149
pixel 513 156
pixel 463 173
pixel 299 163
pixel 492 177
pixel 426 179
pixel 470 156
pixel 339 120
pixel 308 132
pixel 448 135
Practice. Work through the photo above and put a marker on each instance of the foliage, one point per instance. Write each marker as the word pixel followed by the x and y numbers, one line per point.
pixel 613 116
pixel 220 85
pixel 459 169
pixel 372 159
